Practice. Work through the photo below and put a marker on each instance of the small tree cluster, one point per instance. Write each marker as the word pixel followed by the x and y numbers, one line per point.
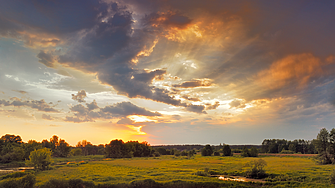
pixel 226 151
pixel 207 150
pixel 119 149
pixel 253 152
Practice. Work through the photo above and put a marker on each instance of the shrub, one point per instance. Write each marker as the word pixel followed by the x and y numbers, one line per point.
pixel 156 154
pixel 256 169
pixel 148 183
pixel 40 159
pixel 216 153
pixel 332 177
pixel 75 152
pixel 184 153
pixel 27 181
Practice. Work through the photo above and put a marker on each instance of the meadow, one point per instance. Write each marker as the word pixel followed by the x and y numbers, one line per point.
pixel 284 171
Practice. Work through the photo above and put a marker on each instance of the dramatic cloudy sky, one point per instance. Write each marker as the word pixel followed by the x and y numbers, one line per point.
pixel 167 71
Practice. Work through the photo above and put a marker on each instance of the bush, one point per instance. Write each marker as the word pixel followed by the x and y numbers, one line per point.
pixel 256 169
pixel 216 153
pixel 332 177
pixel 184 153
pixel 148 183
pixel 27 181
pixel 40 159
pixel 75 152
pixel 156 154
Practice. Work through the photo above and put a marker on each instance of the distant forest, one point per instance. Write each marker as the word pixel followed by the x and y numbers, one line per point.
pixel 12 148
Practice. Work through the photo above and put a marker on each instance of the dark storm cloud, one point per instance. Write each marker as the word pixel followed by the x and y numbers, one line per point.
pixel 54 17
pixel 103 38
pixel 40 105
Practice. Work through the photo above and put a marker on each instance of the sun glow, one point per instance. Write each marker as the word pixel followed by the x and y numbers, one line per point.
pixel 138 118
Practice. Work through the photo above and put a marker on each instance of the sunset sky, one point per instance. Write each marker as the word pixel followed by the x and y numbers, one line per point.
pixel 167 71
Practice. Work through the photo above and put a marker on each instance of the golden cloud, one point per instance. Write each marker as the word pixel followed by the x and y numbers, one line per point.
pixel 298 69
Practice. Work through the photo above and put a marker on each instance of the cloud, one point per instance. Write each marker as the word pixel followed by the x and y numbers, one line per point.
pixel 119 110
pixel 296 69
pixel 47 117
pixel 127 108
pixel 213 106
pixel 196 108
pixel 40 105
pixel 237 104
pixel 20 91
pixel 46 58
pixel 195 83
pixel 167 19
pixel 79 96
pixel 125 121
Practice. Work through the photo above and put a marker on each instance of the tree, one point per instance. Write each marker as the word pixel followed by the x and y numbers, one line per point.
pixel 75 152
pixel 226 150
pixel 322 144
pixel 256 169
pixel 63 148
pixel 207 150
pixel 117 149
pixel 245 152
pixel 11 138
pixel 40 159
pixel 253 152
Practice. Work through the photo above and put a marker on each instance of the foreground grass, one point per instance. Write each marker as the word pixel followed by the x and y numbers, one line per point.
pixel 284 171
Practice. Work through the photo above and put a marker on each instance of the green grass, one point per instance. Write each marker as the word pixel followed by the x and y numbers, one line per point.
pixel 285 171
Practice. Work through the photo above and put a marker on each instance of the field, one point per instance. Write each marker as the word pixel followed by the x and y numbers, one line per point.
pixel 284 171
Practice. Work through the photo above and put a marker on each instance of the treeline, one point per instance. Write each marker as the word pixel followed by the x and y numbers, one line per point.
pixel 284 146
pixel 12 149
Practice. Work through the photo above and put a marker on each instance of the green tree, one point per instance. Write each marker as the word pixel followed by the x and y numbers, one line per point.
pixel 322 145
pixel 40 159
pixel 75 152
pixel 245 152
pixel 256 169
pixel 226 150
pixel 63 148
pixel 117 149
pixel 207 150
pixel 253 152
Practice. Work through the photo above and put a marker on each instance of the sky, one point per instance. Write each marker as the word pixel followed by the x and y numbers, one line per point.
pixel 167 71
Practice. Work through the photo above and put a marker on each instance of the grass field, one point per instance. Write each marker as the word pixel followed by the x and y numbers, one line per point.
pixel 285 171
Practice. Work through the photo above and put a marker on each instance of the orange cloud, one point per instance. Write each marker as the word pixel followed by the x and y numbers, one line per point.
pixel 298 69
